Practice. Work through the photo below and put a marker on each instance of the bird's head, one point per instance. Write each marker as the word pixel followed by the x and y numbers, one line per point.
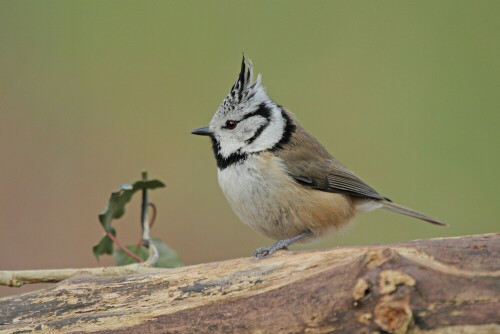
pixel 246 122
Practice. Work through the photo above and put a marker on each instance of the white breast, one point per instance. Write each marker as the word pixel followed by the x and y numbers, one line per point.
pixel 260 193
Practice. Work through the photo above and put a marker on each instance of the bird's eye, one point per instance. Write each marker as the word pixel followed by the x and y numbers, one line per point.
pixel 231 124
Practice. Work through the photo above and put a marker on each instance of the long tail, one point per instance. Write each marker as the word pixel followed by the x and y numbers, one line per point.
pixel 396 208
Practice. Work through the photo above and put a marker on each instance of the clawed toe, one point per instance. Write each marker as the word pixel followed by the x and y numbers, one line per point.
pixel 261 252
pixel 266 251
pixel 281 244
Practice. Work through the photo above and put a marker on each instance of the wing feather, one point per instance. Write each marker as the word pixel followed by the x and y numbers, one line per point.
pixel 310 165
pixel 326 176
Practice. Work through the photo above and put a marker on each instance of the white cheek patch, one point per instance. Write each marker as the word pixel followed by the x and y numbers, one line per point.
pixel 228 145
pixel 250 127
pixel 236 141
pixel 271 135
pixel 233 141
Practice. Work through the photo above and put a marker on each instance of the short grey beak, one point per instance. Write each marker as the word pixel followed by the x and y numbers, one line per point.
pixel 202 131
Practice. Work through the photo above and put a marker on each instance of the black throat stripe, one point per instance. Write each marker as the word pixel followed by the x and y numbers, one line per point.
pixel 223 163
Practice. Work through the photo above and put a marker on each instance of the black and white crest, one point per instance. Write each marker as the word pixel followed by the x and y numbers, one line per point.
pixel 243 80
pixel 243 90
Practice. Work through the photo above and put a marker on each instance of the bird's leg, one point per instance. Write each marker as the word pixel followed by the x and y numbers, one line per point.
pixel 281 244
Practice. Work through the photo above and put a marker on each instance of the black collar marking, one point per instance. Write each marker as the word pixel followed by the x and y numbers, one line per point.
pixel 287 133
pixel 223 163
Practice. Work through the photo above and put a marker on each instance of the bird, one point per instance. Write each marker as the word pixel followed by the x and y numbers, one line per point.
pixel 277 177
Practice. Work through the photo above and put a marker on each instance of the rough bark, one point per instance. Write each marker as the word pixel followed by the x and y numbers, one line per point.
pixel 449 285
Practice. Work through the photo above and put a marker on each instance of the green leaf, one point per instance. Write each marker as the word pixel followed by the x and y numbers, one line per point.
pixel 105 246
pixel 116 204
pixel 168 258
pixel 123 258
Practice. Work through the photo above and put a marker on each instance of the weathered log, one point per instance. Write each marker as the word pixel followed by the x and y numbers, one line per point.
pixel 449 285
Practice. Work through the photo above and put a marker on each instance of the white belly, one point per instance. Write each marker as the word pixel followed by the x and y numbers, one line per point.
pixel 259 192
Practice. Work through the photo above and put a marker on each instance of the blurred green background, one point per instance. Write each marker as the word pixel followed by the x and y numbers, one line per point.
pixel 406 94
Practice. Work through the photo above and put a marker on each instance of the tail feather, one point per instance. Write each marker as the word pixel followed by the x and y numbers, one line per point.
pixel 396 208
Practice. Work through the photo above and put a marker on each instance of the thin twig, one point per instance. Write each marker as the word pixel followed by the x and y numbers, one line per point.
pixel 151 221
pixel 16 278
pixel 123 248
pixel 153 252
pixel 153 216
pixel 144 212
pixel 153 255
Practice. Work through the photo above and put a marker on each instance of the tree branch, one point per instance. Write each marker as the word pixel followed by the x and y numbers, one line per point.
pixel 448 285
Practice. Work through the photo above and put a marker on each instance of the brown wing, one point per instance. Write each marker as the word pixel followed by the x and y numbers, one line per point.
pixel 310 164
pixel 331 176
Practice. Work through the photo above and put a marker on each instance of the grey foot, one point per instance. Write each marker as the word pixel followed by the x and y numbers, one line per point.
pixel 281 244
pixel 265 251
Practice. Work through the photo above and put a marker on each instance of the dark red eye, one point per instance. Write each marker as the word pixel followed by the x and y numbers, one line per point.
pixel 231 124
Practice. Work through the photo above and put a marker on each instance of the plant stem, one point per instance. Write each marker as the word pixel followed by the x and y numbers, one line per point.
pixel 151 221
pixel 144 213
pixel 123 248
pixel 153 216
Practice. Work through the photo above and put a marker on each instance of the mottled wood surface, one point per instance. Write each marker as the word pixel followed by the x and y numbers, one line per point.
pixel 449 285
